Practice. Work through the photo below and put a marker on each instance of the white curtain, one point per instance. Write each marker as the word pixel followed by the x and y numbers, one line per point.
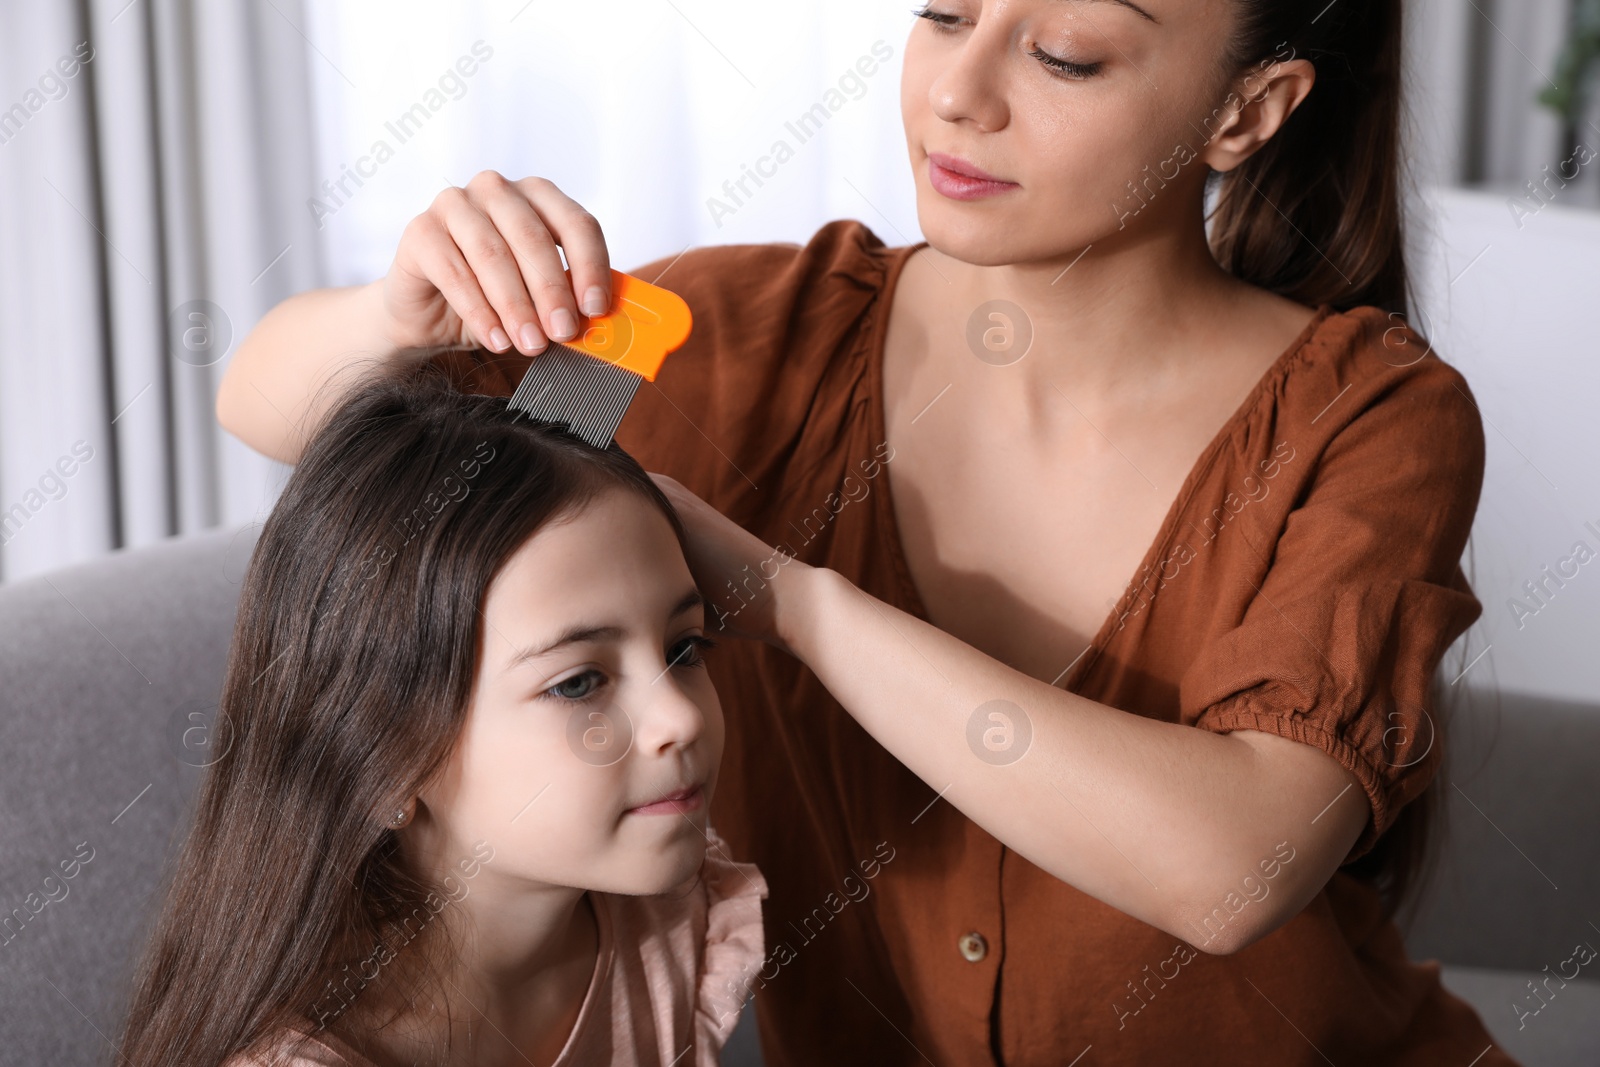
pixel 639 109
pixel 1476 70
pixel 151 156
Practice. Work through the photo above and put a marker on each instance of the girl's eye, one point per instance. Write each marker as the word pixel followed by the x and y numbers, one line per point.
pixel 583 686
pixel 692 649
pixel 562 691
pixel 1066 68
pixel 941 22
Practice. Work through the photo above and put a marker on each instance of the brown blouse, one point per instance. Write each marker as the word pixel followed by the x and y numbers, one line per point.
pixel 1306 582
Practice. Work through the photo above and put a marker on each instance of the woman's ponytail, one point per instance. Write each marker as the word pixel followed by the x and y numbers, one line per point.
pixel 1315 215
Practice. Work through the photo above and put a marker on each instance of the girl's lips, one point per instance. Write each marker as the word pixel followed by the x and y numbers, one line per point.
pixel 673 804
pixel 960 180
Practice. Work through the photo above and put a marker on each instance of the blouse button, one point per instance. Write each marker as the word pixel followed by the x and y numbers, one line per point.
pixel 973 947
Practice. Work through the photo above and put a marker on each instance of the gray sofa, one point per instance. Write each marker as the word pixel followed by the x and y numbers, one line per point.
pixel 107 670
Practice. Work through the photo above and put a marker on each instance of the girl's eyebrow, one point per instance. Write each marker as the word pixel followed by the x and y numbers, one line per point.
pixel 1129 4
pixel 585 632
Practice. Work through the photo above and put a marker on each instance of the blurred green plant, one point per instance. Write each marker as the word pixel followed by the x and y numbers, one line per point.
pixel 1576 61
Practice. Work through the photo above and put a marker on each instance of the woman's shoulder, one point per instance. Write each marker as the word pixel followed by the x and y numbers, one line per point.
pixel 1378 353
pixel 844 250
pixel 752 301
pixel 1366 375
pixel 1359 412
pixel 776 362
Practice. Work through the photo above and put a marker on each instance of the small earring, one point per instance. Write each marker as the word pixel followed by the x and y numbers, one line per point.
pixel 400 818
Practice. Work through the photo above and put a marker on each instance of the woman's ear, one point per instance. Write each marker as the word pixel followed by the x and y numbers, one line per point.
pixel 1257 105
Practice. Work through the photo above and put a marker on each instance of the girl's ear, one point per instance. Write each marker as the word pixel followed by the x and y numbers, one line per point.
pixel 401 817
pixel 1256 107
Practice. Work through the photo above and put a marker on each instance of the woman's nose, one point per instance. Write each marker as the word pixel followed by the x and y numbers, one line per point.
pixel 969 87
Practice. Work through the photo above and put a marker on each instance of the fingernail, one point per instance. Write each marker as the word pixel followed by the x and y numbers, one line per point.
pixel 594 301
pixel 530 338
pixel 498 340
pixel 562 324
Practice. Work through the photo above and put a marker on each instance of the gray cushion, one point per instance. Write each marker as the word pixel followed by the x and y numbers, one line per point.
pixel 96 662
pixel 1565 1030
pixel 1518 882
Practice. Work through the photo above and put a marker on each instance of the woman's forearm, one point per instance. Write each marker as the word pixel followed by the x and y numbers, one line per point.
pixel 1160 820
pixel 293 367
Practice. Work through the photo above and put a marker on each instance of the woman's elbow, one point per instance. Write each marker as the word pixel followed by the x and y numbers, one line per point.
pixel 247 413
pixel 1228 917
pixel 234 413
pixel 1220 932
pixel 226 407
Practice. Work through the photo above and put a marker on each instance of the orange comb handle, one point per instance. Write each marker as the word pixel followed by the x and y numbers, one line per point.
pixel 645 323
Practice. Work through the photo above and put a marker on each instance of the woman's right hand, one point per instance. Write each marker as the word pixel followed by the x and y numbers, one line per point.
pixel 480 268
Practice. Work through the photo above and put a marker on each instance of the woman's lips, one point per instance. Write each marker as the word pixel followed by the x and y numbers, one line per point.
pixel 959 180
pixel 673 804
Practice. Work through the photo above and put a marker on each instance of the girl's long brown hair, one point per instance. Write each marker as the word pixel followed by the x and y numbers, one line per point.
pixel 347 684
pixel 1316 215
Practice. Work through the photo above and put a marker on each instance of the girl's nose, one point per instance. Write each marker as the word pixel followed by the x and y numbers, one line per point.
pixel 665 714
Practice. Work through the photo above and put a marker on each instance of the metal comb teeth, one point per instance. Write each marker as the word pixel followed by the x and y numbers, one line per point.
pixel 589 395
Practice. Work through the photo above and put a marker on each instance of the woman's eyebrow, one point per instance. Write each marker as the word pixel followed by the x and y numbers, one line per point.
pixel 1129 4
pixel 588 632
pixel 690 600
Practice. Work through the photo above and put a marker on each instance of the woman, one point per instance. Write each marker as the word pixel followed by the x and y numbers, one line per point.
pixel 963 747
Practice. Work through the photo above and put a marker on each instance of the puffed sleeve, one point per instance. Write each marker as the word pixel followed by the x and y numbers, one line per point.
pixel 293 1047
pixel 733 948
pixel 1362 595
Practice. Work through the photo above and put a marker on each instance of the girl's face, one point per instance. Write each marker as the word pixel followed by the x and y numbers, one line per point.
pixel 1067 102
pixel 591 704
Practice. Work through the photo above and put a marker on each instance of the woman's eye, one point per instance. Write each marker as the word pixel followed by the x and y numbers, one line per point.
pixel 942 22
pixel 1066 68
pixel 691 651
pixel 564 690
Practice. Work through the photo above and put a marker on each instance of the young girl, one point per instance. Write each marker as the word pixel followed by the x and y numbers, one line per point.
pixel 469 751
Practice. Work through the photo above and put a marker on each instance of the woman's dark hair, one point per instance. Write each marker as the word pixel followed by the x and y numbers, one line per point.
pixel 1315 214
pixel 346 688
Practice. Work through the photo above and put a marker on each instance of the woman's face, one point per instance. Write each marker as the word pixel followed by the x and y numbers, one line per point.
pixel 1066 101
pixel 568 743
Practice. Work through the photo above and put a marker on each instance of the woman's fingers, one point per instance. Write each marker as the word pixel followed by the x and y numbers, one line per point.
pixel 491 251
pixel 532 247
pixel 578 233
pixel 496 268
pixel 429 257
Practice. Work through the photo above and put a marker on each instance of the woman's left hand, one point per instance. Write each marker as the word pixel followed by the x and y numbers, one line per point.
pixel 740 575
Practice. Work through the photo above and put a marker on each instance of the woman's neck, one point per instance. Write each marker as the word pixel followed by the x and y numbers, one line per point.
pixel 1129 309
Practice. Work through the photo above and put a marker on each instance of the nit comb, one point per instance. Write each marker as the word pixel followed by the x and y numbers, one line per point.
pixel 588 382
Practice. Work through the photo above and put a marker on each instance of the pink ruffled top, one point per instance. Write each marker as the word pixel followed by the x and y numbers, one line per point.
pixel 671 976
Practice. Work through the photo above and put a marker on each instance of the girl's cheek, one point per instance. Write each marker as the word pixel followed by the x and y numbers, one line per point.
pixel 599 735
